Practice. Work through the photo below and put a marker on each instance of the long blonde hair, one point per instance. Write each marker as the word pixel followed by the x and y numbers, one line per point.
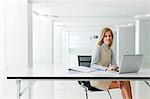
pixel 102 34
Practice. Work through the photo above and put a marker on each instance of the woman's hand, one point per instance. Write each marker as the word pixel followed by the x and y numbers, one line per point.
pixel 112 67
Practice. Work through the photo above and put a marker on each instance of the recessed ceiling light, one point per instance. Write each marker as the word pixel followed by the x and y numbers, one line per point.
pixel 142 16
pixel 147 15
pixel 130 24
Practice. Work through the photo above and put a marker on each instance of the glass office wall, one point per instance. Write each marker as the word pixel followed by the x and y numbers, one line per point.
pixel 126 41
pixel 142 30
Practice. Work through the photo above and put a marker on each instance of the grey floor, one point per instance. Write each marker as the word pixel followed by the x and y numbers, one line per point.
pixel 66 90
pixel 55 90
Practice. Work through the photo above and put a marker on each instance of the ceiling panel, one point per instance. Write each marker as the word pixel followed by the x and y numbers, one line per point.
pixel 95 12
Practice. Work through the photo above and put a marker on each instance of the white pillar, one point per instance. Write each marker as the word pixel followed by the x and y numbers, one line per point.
pixel 2 39
pixel 142 36
pixel 30 34
pixel 18 32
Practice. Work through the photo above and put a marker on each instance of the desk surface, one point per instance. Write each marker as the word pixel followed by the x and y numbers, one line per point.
pixel 46 73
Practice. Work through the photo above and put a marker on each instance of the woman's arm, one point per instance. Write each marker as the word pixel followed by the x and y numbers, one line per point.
pixel 96 58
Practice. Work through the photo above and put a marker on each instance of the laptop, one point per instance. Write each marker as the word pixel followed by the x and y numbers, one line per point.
pixel 130 63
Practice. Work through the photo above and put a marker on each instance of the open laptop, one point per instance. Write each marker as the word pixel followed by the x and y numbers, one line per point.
pixel 130 63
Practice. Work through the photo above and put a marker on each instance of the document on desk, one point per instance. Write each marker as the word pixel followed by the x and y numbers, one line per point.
pixel 82 69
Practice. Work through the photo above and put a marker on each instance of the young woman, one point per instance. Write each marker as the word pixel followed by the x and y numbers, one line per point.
pixel 103 58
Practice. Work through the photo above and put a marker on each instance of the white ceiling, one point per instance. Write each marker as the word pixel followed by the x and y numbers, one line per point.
pixel 92 12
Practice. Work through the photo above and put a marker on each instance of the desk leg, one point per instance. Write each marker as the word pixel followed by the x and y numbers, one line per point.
pixel 30 90
pixel 18 88
pixel 147 83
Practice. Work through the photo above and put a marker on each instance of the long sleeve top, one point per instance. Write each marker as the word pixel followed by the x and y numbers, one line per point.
pixel 96 57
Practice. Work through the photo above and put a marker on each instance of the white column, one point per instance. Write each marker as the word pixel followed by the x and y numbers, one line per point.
pixel 42 40
pixel 65 47
pixel 17 34
pixel 117 45
pixel 58 45
pixel 52 36
pixel 125 41
pixel 30 34
pixel 2 40
pixel 142 31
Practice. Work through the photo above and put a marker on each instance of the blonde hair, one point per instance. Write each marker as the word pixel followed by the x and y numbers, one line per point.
pixel 102 34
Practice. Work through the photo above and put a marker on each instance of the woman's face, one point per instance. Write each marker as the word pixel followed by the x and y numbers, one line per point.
pixel 107 38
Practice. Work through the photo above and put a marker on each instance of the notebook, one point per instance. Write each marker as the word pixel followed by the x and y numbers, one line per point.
pixel 82 69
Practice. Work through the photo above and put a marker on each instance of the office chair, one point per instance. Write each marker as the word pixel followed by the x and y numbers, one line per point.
pixel 86 61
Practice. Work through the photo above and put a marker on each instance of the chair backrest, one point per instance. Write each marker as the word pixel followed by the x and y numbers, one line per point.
pixel 84 60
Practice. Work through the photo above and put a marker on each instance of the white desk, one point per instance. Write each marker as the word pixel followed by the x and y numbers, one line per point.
pixel 143 74
pixel 33 74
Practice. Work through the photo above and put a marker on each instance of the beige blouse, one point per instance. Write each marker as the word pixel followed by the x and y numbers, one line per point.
pixel 104 60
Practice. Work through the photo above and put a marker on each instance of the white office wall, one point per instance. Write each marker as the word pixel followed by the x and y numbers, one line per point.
pixel 16 34
pixel 42 40
pixel 142 28
pixel 126 41
pixel 80 43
